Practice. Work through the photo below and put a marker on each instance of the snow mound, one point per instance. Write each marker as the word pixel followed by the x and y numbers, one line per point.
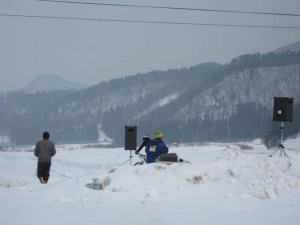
pixel 226 183
pixel 254 175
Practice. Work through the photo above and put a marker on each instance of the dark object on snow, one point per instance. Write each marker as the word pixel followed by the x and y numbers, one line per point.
pixel 98 184
pixel 169 157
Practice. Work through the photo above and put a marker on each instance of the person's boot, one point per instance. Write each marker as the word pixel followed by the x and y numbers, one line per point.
pixel 42 180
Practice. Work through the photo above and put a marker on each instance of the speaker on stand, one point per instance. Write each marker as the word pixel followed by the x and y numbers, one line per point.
pixel 130 139
pixel 282 112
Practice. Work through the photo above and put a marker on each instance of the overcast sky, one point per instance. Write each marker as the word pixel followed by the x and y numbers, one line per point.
pixel 89 52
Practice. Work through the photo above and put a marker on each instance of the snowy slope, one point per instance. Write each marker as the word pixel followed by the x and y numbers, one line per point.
pixel 258 86
pixel 230 184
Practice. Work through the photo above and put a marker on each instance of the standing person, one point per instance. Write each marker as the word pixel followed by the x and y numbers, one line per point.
pixel 44 150
pixel 146 140
pixel 155 147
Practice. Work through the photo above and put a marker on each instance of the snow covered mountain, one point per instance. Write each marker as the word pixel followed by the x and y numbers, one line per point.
pixel 48 83
pixel 207 102
pixel 240 106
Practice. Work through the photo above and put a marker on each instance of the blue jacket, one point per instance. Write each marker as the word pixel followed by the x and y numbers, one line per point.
pixel 154 149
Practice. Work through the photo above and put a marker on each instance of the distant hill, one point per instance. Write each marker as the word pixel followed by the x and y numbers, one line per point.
pixel 49 83
pixel 289 48
pixel 202 103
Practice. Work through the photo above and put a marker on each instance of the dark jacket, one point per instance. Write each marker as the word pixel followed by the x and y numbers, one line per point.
pixel 154 149
pixel 44 150
pixel 145 142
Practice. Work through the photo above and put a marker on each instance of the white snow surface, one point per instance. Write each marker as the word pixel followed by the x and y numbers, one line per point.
pixel 225 184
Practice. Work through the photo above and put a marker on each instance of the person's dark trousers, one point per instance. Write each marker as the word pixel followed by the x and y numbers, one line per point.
pixel 43 171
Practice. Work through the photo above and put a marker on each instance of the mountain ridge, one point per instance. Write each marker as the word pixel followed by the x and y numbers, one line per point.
pixel 207 102
pixel 290 47
pixel 49 83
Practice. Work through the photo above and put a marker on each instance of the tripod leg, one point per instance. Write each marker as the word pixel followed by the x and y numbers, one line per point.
pixel 284 153
pixel 272 154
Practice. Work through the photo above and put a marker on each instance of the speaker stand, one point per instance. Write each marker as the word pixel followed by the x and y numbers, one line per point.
pixel 130 157
pixel 280 146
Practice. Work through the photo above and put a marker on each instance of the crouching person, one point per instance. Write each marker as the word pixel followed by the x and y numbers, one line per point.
pixel 155 148
pixel 44 150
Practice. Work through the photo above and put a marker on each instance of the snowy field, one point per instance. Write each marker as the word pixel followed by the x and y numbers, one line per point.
pixel 226 184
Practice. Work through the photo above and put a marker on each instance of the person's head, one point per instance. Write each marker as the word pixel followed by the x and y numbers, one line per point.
pixel 146 136
pixel 46 135
pixel 158 134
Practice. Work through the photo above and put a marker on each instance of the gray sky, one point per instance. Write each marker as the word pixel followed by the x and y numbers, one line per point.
pixel 89 52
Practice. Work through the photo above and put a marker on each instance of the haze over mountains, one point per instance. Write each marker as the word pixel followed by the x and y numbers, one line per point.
pixel 206 102
pixel 52 82
pixel 48 83
pixel 291 47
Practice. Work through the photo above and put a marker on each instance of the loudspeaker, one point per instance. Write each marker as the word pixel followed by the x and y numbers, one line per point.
pixel 283 109
pixel 130 137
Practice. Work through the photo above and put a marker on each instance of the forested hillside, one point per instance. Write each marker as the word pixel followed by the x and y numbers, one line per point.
pixel 207 102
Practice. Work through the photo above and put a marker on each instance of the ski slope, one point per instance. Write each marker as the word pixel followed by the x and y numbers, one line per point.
pixel 226 184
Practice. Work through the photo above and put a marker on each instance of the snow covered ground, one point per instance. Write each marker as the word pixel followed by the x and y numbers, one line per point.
pixel 227 183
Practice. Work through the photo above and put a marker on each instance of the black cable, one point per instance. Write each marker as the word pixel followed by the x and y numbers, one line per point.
pixel 148 22
pixel 173 8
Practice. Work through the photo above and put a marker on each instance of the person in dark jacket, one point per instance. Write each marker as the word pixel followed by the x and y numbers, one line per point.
pixel 155 147
pixel 146 140
pixel 44 150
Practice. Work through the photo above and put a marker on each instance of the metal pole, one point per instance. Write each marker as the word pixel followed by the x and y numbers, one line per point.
pixel 281 132
pixel 80 195
pixel 281 140
pixel 130 157
pixel 280 146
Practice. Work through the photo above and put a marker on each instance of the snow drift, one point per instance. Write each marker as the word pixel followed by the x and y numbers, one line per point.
pixel 225 184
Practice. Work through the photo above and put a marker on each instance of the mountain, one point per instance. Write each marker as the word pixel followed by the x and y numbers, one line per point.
pixel 289 48
pixel 48 83
pixel 206 102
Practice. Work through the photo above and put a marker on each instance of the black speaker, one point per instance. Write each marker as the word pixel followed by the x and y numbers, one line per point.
pixel 130 137
pixel 283 109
